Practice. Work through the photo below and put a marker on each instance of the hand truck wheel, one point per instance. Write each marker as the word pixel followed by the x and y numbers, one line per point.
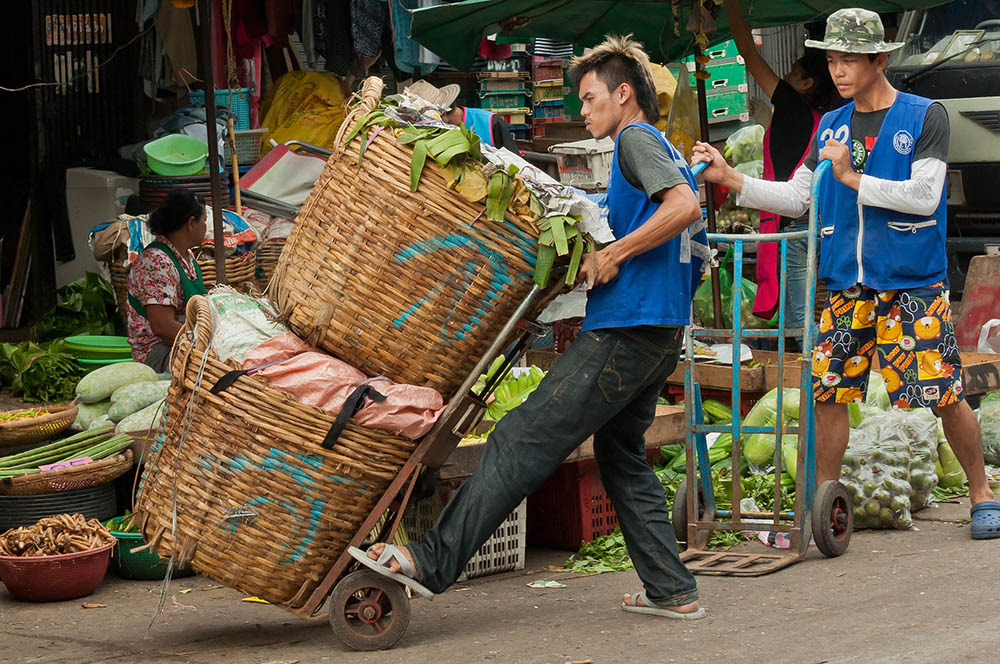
pixel 832 518
pixel 369 611
pixel 679 516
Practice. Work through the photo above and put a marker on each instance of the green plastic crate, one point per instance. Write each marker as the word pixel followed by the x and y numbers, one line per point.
pixel 722 74
pixel 726 104
pixel 142 564
pixel 497 101
pixel 723 51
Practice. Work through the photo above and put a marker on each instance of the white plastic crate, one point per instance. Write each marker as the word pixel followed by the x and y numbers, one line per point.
pixel 502 552
pixel 248 144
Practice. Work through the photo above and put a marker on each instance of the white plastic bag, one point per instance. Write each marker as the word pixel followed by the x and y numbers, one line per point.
pixel 989 337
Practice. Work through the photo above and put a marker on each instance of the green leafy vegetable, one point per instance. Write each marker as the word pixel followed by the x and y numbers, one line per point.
pixel 85 306
pixel 39 373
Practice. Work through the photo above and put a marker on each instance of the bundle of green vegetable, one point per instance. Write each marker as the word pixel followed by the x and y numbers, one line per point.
pixel 39 373
pixel 97 444
pixel 85 306
pixel 459 154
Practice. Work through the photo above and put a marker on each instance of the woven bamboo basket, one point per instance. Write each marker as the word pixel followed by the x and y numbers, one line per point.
pixel 87 475
pixel 407 285
pixel 239 269
pixel 37 429
pixel 260 505
pixel 268 254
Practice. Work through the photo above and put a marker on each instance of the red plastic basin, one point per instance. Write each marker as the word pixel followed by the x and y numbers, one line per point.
pixel 55 578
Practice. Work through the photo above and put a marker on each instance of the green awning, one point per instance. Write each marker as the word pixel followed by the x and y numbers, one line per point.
pixel 454 31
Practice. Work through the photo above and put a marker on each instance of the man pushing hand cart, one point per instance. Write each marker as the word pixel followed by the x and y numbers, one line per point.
pixel 608 381
pixel 883 218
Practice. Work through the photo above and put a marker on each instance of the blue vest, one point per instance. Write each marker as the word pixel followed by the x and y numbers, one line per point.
pixel 879 248
pixel 656 287
pixel 481 124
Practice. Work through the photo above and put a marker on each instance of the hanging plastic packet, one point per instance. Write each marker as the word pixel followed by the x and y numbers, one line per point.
pixel 682 123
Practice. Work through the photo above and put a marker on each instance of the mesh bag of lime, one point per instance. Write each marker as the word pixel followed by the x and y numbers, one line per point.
pixel 889 467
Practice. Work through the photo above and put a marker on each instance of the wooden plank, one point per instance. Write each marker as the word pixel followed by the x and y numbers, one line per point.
pixel 720 376
pixel 667 427
pixel 19 274
pixel 980 300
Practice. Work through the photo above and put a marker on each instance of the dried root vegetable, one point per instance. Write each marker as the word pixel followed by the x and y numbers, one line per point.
pixel 55 535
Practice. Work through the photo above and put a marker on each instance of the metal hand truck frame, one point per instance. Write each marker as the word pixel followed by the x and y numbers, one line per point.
pixel 826 513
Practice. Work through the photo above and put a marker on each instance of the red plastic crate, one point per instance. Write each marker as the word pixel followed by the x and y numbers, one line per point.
pixel 572 507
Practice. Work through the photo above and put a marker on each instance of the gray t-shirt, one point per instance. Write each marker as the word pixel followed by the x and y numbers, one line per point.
pixel 932 144
pixel 645 163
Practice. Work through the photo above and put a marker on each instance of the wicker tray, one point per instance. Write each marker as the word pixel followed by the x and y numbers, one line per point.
pixel 68 479
pixel 260 505
pixel 401 284
pixel 39 428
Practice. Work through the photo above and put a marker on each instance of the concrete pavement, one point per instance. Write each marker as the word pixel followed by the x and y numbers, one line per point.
pixel 926 595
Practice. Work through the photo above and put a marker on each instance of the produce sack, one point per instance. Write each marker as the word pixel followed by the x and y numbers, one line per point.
pixel 703 300
pixel 240 322
pixel 319 380
pixel 745 144
pixel 304 106
pixel 889 467
pixel 682 123
pixel 989 422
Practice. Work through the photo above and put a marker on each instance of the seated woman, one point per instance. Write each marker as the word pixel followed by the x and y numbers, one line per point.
pixel 163 277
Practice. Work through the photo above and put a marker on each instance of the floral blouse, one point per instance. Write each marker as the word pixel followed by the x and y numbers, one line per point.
pixel 153 279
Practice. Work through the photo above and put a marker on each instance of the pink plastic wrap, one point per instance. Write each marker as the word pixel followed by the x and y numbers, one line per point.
pixel 325 382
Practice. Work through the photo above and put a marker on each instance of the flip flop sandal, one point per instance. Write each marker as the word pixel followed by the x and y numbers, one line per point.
pixel 649 608
pixel 985 520
pixel 381 566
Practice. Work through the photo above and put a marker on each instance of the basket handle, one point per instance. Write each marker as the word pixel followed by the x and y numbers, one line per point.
pixel 371 95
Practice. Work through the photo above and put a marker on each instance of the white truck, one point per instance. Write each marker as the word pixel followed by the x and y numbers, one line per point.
pixel 952 55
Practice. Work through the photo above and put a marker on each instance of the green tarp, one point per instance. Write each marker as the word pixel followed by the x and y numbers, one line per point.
pixel 454 31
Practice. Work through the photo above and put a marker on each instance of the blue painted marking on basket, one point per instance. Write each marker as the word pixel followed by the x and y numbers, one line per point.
pixel 499 279
pixel 279 461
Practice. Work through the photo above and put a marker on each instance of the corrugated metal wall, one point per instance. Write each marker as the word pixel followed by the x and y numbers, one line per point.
pixel 780 48
pixel 92 110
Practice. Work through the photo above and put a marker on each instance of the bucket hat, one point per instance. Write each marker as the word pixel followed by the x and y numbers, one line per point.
pixel 854 30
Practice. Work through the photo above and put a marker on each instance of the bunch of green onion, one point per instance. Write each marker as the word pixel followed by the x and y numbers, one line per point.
pixel 99 443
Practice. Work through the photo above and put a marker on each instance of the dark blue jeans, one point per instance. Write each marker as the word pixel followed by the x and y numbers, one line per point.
pixel 605 384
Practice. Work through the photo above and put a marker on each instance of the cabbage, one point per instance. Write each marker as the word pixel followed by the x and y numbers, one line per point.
pixel 949 471
pixel 758 449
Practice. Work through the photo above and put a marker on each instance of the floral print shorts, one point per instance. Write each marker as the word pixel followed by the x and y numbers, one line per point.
pixel 911 330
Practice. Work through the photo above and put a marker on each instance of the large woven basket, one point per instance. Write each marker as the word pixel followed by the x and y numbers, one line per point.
pixel 37 429
pixel 240 269
pixel 268 254
pixel 412 286
pixel 260 505
pixel 68 479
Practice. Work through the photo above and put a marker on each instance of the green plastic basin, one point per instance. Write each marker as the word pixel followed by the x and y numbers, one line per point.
pixel 176 154
pixel 99 347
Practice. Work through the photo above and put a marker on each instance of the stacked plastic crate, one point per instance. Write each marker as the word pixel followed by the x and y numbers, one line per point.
pixel 508 94
pixel 547 96
pixel 726 86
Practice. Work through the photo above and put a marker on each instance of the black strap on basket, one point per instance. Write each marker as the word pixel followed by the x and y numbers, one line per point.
pixel 352 405
pixel 231 377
